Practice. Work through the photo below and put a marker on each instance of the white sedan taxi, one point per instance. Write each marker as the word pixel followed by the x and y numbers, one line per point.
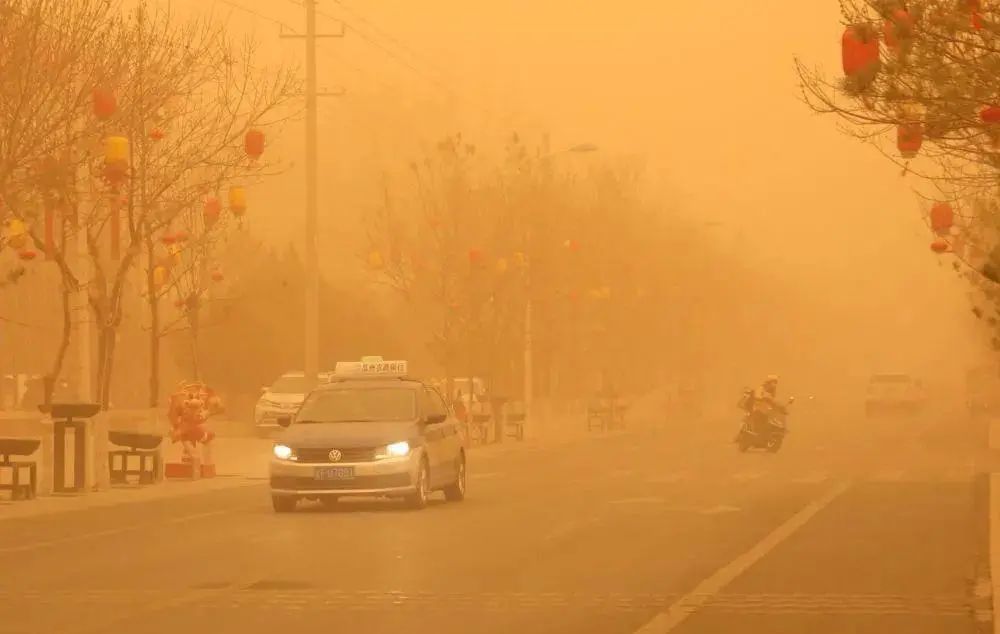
pixel 372 431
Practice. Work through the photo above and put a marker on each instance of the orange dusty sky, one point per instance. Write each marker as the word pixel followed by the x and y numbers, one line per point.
pixel 706 94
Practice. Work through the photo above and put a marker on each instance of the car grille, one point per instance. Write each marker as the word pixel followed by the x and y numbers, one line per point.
pixel 294 483
pixel 322 456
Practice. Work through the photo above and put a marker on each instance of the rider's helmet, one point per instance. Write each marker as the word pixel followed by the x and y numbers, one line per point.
pixel 771 384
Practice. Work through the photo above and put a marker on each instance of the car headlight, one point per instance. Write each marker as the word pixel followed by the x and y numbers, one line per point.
pixel 395 450
pixel 283 452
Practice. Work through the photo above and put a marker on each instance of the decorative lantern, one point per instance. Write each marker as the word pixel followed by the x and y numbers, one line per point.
pixel 860 54
pixel 940 245
pixel 909 138
pixel 27 254
pixel 211 211
pixel 160 275
pixel 942 218
pixel 502 266
pixel 217 276
pixel 475 257
pixel 168 238
pixel 253 143
pixel 105 103
pixel 375 260
pixel 116 151
pixel 898 28
pixel 990 115
pixel 157 134
pixel 237 201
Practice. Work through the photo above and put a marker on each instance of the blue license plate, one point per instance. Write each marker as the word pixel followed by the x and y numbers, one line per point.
pixel 334 473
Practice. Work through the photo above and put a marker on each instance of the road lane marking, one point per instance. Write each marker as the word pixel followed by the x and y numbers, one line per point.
pixel 687 605
pixel 722 508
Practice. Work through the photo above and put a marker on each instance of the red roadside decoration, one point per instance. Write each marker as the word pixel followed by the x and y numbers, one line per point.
pixel 909 138
pixel 27 254
pixel 253 143
pixel 898 28
pixel 211 211
pixel 105 103
pixel 476 257
pixel 188 411
pixel 990 114
pixel 860 52
pixel 942 218
pixel 940 245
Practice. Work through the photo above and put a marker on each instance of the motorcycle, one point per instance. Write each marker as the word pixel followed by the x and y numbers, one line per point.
pixel 763 429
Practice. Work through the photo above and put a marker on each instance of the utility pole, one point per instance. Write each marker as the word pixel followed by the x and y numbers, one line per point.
pixel 311 339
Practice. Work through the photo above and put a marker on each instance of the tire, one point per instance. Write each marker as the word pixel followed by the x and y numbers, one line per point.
pixel 455 492
pixel 418 499
pixel 284 503
pixel 743 443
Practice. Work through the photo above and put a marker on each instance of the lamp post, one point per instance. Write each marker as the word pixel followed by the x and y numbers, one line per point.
pixel 529 379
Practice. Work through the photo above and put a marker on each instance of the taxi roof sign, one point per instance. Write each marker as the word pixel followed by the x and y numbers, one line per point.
pixel 370 368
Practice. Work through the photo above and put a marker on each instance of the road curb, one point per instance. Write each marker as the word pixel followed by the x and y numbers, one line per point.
pixel 989 483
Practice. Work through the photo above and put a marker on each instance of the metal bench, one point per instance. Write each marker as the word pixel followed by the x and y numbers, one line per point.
pixel 19 489
pixel 145 447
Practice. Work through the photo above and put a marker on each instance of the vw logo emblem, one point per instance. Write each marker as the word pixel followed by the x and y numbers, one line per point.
pixel 335 455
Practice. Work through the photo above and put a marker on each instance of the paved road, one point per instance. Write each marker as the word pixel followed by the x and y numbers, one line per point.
pixel 647 531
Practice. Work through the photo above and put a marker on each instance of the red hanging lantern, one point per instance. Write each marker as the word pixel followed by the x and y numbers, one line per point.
pixel 898 28
pixel 105 103
pixel 940 245
pixel 476 257
pixel 168 238
pixel 212 211
pixel 860 52
pixel 217 276
pixel 909 138
pixel 253 143
pixel 942 218
pixel 976 11
pixel 990 115
pixel 27 254
pixel 157 134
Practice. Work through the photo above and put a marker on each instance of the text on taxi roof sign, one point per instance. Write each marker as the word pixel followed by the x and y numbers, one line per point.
pixel 371 368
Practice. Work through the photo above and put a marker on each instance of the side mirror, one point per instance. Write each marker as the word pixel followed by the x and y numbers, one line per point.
pixel 284 421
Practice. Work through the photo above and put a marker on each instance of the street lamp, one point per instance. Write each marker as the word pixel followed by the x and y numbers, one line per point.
pixel 582 148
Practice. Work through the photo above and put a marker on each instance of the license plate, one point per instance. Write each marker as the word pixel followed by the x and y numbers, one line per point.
pixel 334 473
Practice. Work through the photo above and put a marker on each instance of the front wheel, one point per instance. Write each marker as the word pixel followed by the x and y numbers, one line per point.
pixel 455 492
pixel 418 499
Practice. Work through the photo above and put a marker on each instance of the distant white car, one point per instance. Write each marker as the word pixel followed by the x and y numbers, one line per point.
pixel 894 393
pixel 282 399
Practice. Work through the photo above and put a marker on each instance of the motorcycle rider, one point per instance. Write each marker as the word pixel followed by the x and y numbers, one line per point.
pixel 760 402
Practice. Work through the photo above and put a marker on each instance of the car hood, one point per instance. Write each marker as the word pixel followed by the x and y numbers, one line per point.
pixel 283 398
pixel 348 435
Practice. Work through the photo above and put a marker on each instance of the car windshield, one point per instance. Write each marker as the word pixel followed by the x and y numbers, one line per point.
pixel 290 385
pixel 351 405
